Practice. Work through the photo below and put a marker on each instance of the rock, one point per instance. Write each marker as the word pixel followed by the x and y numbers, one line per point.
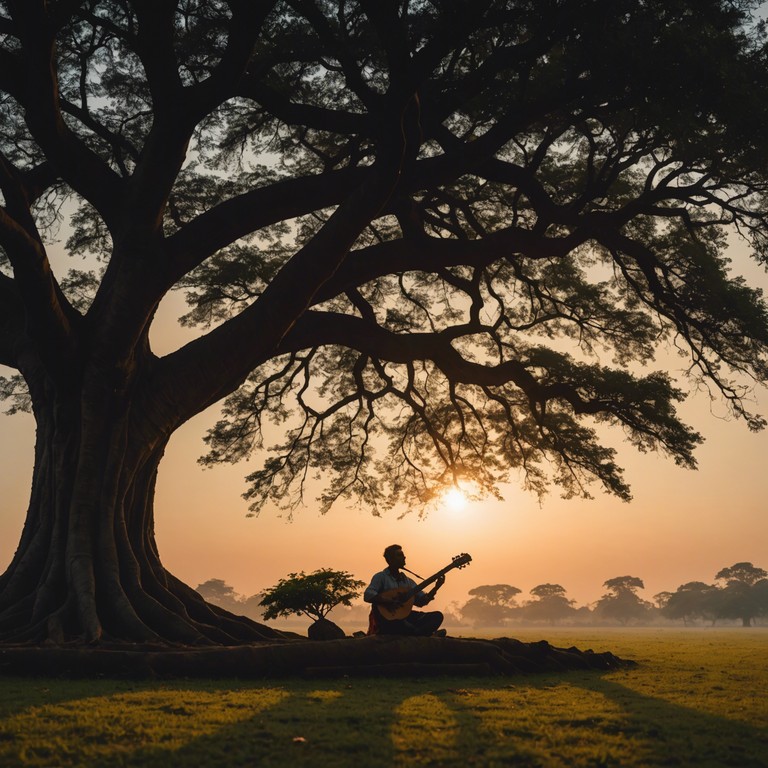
pixel 323 629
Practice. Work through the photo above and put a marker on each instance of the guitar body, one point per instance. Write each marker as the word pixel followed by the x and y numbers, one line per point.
pixel 400 596
pixel 404 596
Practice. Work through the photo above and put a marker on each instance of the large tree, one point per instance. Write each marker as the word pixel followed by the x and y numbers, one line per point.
pixel 690 601
pixel 744 594
pixel 430 240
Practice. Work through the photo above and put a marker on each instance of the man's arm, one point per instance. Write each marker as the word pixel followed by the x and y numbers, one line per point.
pixel 372 590
pixel 422 598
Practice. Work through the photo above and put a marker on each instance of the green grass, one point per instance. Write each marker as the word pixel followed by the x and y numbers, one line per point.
pixel 697 698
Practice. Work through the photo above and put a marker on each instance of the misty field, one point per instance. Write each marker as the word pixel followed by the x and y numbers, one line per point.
pixel 696 698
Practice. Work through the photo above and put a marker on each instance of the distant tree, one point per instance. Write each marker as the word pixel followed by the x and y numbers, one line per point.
pixel 744 594
pixel 622 603
pixel 743 573
pixel 550 604
pixel 490 605
pixel 313 594
pixel 691 601
pixel 218 592
pixel 760 589
pixel 480 613
pixel 452 615
pixel 496 594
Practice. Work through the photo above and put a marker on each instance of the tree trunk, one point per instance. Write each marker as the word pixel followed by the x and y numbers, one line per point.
pixel 87 567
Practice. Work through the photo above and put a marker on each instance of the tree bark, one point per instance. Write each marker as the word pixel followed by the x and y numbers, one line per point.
pixel 87 567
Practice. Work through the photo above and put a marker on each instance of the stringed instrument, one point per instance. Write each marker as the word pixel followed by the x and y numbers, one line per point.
pixel 403 597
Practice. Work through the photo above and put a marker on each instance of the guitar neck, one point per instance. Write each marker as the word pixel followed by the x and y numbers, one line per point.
pixel 434 577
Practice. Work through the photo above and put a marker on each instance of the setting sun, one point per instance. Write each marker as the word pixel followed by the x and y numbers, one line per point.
pixel 454 500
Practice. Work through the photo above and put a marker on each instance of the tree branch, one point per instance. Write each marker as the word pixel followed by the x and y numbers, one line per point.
pixel 641 405
pixel 49 316
pixel 219 362
pixel 33 82
pixel 431 254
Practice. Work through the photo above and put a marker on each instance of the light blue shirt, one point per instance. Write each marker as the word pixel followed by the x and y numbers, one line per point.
pixel 383 581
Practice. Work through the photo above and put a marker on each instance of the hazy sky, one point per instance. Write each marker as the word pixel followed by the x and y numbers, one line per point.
pixel 681 525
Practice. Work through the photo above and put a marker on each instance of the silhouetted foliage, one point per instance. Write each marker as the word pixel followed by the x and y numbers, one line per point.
pixel 496 594
pixel 744 595
pixel 218 592
pixel 622 603
pixel 490 605
pixel 310 594
pixel 381 215
pixel 693 600
pixel 741 573
pixel 550 604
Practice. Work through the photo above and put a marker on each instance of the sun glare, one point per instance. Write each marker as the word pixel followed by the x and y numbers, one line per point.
pixel 454 500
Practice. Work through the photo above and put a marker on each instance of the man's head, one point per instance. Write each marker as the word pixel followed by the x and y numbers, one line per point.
pixel 394 555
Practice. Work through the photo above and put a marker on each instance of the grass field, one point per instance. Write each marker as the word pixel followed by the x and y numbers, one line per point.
pixel 697 698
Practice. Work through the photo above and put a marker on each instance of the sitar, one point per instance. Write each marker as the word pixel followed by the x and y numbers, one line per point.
pixel 404 596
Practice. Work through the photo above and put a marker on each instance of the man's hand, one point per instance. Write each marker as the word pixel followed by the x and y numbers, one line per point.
pixel 439 583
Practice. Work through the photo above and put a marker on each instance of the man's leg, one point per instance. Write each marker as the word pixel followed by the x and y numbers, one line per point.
pixel 425 623
pixel 392 626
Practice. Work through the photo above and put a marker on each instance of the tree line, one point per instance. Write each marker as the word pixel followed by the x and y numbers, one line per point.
pixel 739 593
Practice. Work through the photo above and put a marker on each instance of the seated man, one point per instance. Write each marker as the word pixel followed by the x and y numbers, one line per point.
pixel 380 594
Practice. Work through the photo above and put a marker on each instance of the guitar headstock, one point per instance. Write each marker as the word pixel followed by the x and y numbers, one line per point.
pixel 461 560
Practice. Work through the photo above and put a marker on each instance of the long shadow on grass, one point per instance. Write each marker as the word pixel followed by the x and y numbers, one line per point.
pixel 340 724
pixel 302 730
pixel 360 723
pixel 674 734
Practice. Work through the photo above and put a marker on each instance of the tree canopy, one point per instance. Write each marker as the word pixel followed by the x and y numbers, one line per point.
pixel 424 242
pixel 496 594
pixel 622 602
pixel 692 600
pixel 743 573
pixel 550 603
pixel 745 594
pixel 310 594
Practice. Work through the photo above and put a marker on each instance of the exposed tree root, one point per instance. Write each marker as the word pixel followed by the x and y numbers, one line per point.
pixel 366 656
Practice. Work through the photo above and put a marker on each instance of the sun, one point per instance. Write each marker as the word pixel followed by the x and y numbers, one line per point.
pixel 454 501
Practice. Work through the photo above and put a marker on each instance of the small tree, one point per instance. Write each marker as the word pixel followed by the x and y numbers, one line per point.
pixel 314 594
pixel 622 602
pixel 218 592
pixel 549 604
pixel 490 604
pixel 496 594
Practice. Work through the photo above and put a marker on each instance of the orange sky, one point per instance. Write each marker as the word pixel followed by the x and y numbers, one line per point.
pixel 681 525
